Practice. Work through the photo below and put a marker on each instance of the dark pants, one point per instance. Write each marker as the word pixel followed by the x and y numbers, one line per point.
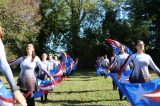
pixel 120 94
pixel 42 77
pixel 114 85
pixel 45 97
pixel 29 99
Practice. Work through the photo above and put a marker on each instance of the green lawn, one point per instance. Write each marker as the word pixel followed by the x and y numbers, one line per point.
pixel 83 88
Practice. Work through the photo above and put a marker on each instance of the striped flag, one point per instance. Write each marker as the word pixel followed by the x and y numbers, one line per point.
pixel 6 97
pixel 115 45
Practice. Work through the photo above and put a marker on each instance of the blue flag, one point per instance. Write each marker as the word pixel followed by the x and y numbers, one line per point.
pixel 6 97
pixel 144 94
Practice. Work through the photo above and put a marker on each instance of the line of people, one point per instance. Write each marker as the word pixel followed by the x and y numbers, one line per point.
pixel 138 63
pixel 27 80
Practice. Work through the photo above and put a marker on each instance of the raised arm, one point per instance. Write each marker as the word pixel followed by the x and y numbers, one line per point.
pixel 153 66
pixel 16 62
pixel 113 62
pixel 40 65
pixel 6 70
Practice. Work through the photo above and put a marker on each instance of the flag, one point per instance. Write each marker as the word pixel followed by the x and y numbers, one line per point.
pixel 44 86
pixel 144 94
pixel 6 97
pixel 67 62
pixel 115 45
pixel 75 64
pixel 124 79
pixel 57 71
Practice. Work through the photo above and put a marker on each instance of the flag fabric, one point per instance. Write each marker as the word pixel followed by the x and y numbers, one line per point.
pixel 100 70
pixel 75 64
pixel 6 97
pixel 66 62
pixel 44 86
pixel 144 94
pixel 124 79
pixel 115 45
pixel 69 65
pixel 139 94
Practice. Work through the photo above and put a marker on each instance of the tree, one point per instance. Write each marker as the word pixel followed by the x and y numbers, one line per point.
pixel 19 20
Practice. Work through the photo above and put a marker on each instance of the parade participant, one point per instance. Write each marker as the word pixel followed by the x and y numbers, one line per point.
pixel 141 61
pixel 27 76
pixel 113 69
pixel 5 69
pixel 42 75
pixel 57 62
pixel 105 62
pixel 51 61
pixel 119 60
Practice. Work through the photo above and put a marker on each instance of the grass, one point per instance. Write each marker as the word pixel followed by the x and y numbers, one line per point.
pixel 83 88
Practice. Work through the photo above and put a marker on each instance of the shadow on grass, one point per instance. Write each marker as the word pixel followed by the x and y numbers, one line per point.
pixel 70 92
pixel 76 102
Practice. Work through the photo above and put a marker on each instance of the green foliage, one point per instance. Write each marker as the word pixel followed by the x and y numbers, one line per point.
pixel 19 21
pixel 80 26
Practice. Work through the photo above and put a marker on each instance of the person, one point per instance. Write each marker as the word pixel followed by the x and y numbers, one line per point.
pixel 57 62
pixel 51 61
pixel 6 70
pixel 119 60
pixel 105 62
pixel 42 75
pixel 113 69
pixel 141 61
pixel 27 76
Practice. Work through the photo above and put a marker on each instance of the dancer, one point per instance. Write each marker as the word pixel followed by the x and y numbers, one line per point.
pixel 51 61
pixel 113 69
pixel 119 60
pixel 42 75
pixel 141 61
pixel 5 69
pixel 27 76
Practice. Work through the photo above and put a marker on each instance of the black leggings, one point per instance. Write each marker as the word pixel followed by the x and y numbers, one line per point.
pixel 45 97
pixel 120 94
pixel 29 99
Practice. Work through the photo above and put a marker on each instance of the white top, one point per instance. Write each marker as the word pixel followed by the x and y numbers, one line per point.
pixel 45 65
pixel 57 62
pixel 119 60
pixel 141 63
pixel 4 67
pixel 2 47
pixel 26 64
pixel 105 62
pixel 52 64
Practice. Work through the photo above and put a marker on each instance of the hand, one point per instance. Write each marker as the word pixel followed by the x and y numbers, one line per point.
pixel 19 97
pixel 118 76
pixel 107 70
pixel 51 78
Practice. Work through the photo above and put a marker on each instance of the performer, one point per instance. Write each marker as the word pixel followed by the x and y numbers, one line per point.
pixel 42 75
pixel 5 69
pixel 119 60
pixel 51 61
pixel 27 76
pixel 105 62
pixel 113 69
pixel 141 61
pixel 57 62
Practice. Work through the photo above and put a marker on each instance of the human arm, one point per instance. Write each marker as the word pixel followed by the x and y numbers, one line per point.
pixel 40 65
pixel 16 62
pixel 6 70
pixel 153 66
